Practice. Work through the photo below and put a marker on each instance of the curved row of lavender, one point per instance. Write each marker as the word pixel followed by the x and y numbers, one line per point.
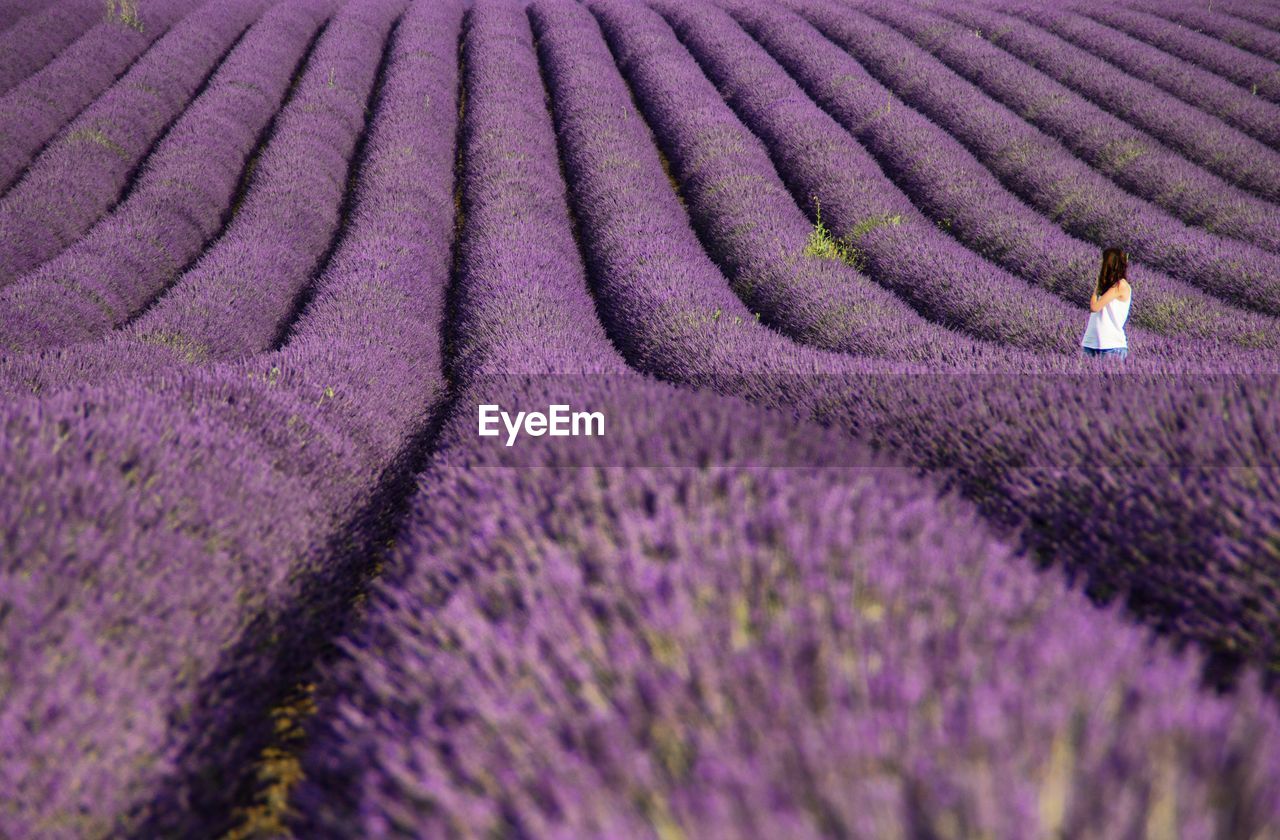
pixel 725 172
pixel 254 472
pixel 900 249
pixel 1031 163
pixel 1239 32
pixel 1025 446
pixel 754 228
pixel 938 174
pixel 239 296
pixel 1266 17
pixel 560 649
pixel 36 39
pixel 153 683
pixel 33 112
pixel 696 653
pixel 191 186
pixel 1192 84
pixel 1145 139
pixel 1251 72
pixel 87 168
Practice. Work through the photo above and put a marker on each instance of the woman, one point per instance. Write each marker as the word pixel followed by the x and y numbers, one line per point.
pixel 1109 308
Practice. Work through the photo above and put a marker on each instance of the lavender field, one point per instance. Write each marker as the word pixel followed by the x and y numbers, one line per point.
pixel 863 547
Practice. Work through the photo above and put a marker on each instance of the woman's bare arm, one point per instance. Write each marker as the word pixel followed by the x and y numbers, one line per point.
pixel 1120 291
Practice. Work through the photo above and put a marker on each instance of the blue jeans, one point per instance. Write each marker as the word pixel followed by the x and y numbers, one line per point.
pixel 1119 353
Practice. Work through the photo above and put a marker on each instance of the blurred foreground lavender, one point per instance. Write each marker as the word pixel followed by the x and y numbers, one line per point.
pixel 258 277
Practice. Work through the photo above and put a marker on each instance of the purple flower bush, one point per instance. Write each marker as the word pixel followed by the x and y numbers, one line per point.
pixel 1239 27
pixel 563 649
pixel 753 227
pixel 179 202
pixel 279 235
pixel 16 11
pixel 300 437
pixel 35 39
pixel 33 112
pixel 1036 166
pixel 1026 450
pixel 944 282
pixel 83 171
pixel 568 651
pixel 1267 17
pixel 860 546
pixel 1173 142
pixel 1252 72
pixel 938 173
pixel 1205 90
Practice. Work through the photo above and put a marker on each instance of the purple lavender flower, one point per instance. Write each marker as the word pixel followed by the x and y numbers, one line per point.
pixel 87 167
pixel 33 112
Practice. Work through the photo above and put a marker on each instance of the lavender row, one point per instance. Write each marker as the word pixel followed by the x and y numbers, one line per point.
pixel 369 342
pixel 85 170
pixel 751 224
pixel 179 202
pixel 33 112
pixel 250 471
pixel 1134 160
pixel 901 249
pixel 1189 545
pixel 113 632
pixel 591 652
pixel 520 275
pixel 1193 85
pixel 940 175
pixel 562 650
pixel 1242 33
pixel 1267 18
pixel 1040 170
pixel 640 251
pixel 34 40
pixel 1108 129
pixel 238 297
pixel 523 303
pixel 1253 73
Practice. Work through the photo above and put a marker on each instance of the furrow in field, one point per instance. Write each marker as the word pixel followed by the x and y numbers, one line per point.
pixel 88 168
pixel 589 651
pixel 1256 75
pixel 1268 16
pixel 272 475
pixel 34 111
pixel 37 38
pixel 753 228
pixel 1043 172
pixel 1143 138
pixel 188 191
pixel 1236 31
pixel 943 178
pixel 1025 446
pixel 899 248
pixel 1192 84
pixel 243 290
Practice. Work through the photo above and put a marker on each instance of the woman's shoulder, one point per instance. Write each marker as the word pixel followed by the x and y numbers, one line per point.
pixel 1125 288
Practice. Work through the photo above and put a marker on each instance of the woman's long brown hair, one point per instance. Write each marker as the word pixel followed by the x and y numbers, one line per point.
pixel 1115 266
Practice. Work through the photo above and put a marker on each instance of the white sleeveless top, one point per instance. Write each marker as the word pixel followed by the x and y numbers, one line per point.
pixel 1106 328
